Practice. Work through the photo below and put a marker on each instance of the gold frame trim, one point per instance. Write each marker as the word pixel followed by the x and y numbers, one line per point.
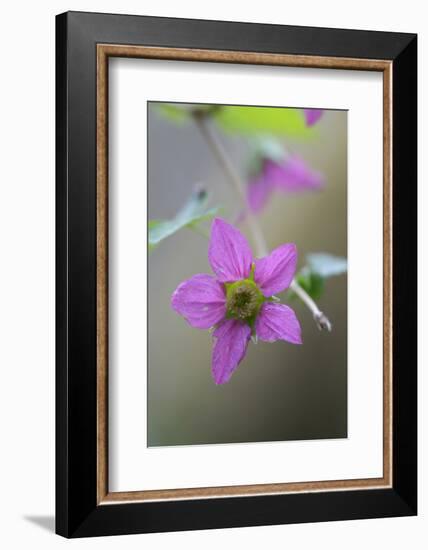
pixel 104 51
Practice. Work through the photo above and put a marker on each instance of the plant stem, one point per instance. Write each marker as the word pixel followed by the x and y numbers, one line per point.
pixel 320 319
pixel 229 170
pixel 223 159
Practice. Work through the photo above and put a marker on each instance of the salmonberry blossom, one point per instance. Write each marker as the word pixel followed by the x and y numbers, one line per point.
pixel 289 175
pixel 312 116
pixel 239 300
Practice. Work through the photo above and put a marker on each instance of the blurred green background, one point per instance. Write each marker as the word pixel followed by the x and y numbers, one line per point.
pixel 279 391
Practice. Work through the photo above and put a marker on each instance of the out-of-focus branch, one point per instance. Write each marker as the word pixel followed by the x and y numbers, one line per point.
pixel 205 126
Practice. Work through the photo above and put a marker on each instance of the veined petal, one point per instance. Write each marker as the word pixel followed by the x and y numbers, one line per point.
pixel 275 272
pixel 278 322
pixel 312 116
pixel 230 346
pixel 229 252
pixel 293 175
pixel 258 192
pixel 201 300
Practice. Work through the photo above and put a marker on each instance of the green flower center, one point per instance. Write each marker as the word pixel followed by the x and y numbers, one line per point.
pixel 244 300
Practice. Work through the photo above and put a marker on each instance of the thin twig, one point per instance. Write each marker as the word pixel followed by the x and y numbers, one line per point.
pixel 321 320
pixel 234 178
pixel 228 168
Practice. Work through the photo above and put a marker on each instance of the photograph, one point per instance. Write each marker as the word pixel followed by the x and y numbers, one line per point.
pixel 212 271
pixel 235 276
pixel 247 273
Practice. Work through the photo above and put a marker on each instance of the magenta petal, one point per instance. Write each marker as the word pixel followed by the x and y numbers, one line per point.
pixel 231 341
pixel 278 322
pixel 201 300
pixel 229 252
pixel 293 175
pixel 275 272
pixel 258 192
pixel 312 116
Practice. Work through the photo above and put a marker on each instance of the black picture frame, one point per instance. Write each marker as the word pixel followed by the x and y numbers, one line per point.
pixel 77 512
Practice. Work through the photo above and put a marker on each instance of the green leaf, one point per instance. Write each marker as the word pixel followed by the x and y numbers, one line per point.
pixel 269 148
pixel 263 148
pixel 327 265
pixel 175 113
pixel 192 213
pixel 263 120
pixel 243 119
pixel 179 113
pixel 320 266
pixel 152 228
pixel 312 283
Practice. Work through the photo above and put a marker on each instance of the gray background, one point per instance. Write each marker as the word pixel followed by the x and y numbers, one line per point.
pixel 279 391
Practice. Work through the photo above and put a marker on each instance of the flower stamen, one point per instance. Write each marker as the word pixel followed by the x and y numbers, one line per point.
pixel 244 300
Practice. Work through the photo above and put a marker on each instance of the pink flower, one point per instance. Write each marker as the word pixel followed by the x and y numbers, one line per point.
pixel 290 175
pixel 312 116
pixel 238 301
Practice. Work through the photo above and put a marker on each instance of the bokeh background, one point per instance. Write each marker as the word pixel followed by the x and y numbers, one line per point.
pixel 280 391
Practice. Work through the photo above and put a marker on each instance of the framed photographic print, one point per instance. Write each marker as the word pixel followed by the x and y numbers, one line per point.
pixel 236 274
